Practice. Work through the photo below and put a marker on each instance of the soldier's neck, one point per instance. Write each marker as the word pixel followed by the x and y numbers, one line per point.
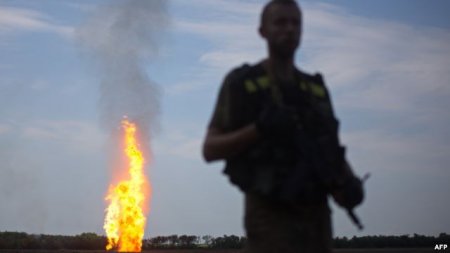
pixel 282 69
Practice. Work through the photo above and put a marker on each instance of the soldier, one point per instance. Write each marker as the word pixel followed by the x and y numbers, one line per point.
pixel 273 125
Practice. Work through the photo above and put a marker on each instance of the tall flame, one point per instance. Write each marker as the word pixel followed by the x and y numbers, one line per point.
pixel 125 220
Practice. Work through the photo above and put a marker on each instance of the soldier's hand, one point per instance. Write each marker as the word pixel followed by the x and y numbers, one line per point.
pixel 350 194
pixel 276 122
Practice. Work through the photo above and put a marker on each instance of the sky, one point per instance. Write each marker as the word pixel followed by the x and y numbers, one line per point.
pixel 386 64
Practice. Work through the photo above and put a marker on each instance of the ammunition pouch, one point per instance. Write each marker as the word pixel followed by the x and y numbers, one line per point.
pixel 259 169
pixel 275 170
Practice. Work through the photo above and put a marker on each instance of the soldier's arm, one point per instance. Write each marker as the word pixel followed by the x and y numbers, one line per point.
pixel 223 145
pixel 226 136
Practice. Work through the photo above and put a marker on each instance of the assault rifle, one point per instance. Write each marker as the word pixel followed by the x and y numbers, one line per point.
pixel 321 167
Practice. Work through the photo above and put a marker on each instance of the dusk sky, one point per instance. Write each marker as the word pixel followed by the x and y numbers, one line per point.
pixel 62 92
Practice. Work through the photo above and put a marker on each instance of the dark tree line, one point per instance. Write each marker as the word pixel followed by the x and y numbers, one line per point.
pixel 84 241
pixel 192 241
pixel 91 241
pixel 383 241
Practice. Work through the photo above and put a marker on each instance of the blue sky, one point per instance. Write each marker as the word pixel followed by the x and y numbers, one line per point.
pixel 386 64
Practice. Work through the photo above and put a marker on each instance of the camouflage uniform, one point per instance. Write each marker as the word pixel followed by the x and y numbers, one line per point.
pixel 271 225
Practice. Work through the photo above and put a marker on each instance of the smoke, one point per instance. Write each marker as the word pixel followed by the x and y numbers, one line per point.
pixel 121 38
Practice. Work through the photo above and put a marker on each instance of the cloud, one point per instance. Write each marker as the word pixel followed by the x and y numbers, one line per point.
pixel 391 75
pixel 375 64
pixel 231 32
pixel 185 142
pixel 24 20
pixel 368 63
pixel 79 135
pixel 56 169
pixel 378 150
pixel 388 80
pixel 233 41
pixel 4 129
pixel 182 87
pixel 85 7
pixel 224 8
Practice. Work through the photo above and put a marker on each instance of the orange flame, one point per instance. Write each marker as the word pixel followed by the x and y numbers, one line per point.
pixel 125 220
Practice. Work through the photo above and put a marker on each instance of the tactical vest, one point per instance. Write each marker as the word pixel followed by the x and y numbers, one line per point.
pixel 264 166
pixel 255 84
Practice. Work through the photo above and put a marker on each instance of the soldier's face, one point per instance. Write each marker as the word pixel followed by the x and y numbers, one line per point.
pixel 281 28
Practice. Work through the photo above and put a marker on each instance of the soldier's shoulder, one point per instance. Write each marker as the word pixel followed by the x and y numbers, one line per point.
pixel 239 74
pixel 245 70
pixel 316 77
pixel 316 84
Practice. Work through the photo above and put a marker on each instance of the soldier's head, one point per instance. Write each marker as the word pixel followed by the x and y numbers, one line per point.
pixel 281 26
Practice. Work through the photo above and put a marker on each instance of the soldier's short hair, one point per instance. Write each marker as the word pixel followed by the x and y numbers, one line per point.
pixel 266 8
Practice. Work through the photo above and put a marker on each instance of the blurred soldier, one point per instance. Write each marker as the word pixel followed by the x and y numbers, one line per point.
pixel 275 128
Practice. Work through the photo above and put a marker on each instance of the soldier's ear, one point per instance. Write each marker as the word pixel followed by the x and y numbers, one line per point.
pixel 262 32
